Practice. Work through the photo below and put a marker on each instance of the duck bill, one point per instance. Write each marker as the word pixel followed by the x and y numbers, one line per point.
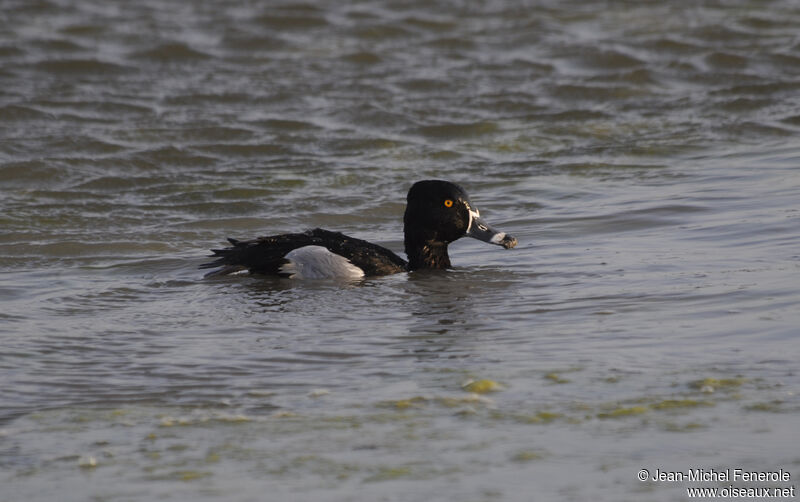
pixel 479 229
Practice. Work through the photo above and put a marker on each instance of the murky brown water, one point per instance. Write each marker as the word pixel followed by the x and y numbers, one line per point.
pixel 645 154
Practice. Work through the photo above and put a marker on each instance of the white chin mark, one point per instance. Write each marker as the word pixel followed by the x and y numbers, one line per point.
pixel 498 238
pixel 473 213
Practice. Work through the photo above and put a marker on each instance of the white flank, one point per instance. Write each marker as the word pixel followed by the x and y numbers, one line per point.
pixel 316 262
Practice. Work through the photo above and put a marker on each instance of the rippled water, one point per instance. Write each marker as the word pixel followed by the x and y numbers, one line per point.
pixel 644 154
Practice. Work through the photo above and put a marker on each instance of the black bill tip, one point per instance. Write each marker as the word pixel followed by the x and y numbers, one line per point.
pixel 507 241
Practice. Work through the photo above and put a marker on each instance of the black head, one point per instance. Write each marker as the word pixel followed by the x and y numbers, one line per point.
pixel 439 212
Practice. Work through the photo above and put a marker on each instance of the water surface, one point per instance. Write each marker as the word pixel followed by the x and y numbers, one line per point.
pixel 645 156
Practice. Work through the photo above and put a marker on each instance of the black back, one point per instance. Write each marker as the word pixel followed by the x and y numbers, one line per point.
pixel 265 255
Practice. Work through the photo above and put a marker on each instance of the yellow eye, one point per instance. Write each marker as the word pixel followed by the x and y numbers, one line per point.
pixel 448 203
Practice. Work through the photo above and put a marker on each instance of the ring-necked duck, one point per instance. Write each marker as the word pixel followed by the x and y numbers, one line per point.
pixel 437 213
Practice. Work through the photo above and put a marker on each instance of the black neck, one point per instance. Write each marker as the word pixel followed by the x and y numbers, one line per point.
pixel 427 254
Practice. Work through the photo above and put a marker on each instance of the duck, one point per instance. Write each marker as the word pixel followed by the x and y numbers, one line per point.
pixel 437 213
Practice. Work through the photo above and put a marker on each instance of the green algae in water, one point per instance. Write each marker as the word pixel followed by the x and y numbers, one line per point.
pixel 687 427
pixel 191 475
pixel 526 456
pixel 624 412
pixel 672 404
pixel 481 386
pixel 87 462
pixel 172 421
pixel 556 378
pixel 454 402
pixel 711 384
pixel 664 405
pixel 178 475
pixel 404 404
pixel 542 417
pixel 770 406
pixel 320 466
pixel 389 473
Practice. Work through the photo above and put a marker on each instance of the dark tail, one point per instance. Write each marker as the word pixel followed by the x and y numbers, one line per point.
pixel 226 259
